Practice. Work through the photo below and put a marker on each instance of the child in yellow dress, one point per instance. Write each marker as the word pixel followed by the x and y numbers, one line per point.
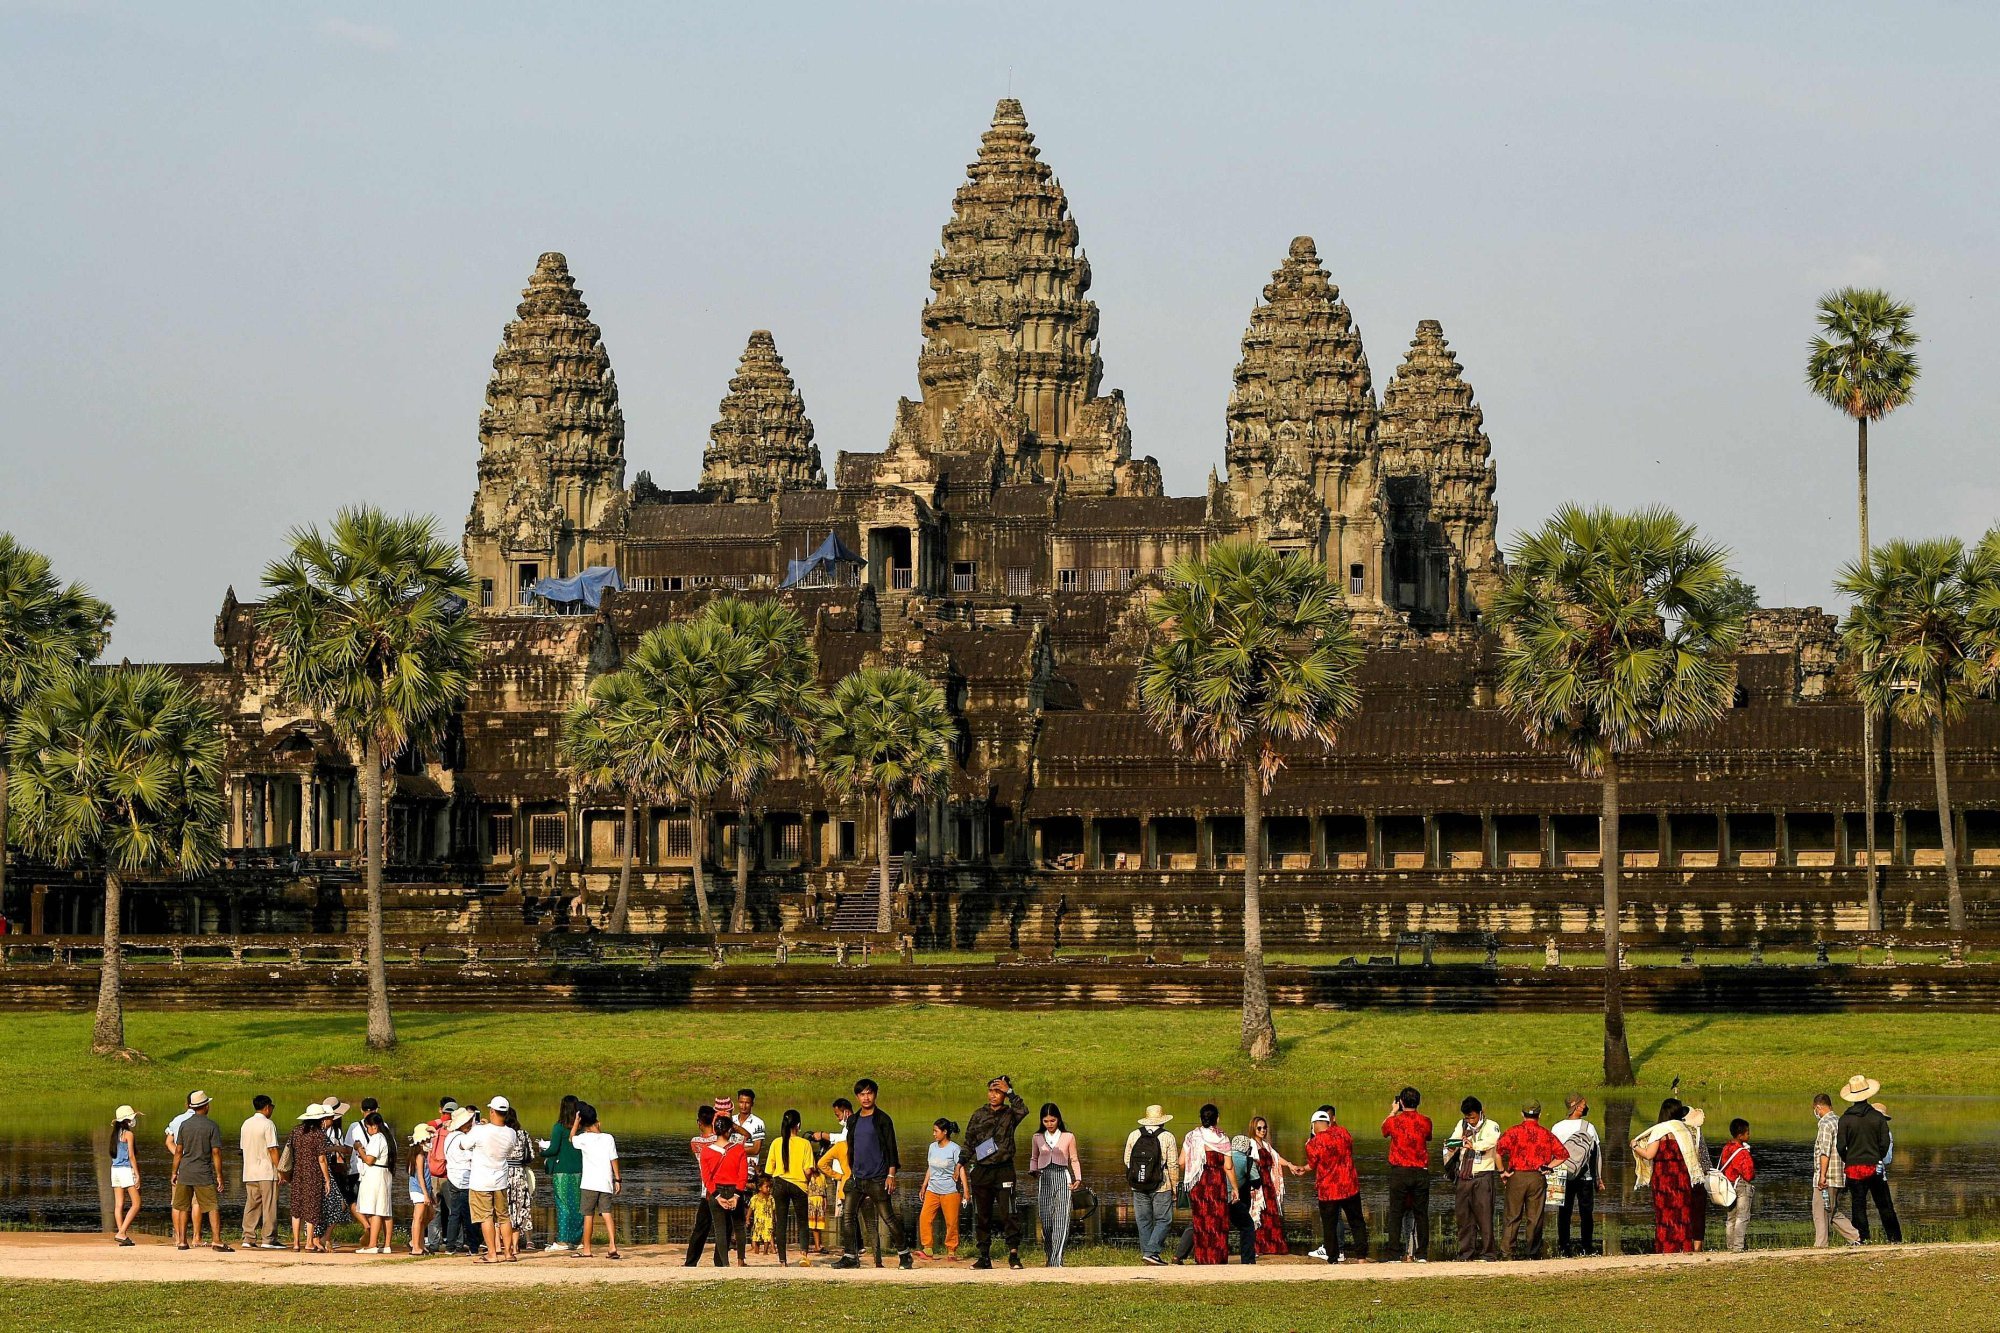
pixel 762 1207
pixel 818 1192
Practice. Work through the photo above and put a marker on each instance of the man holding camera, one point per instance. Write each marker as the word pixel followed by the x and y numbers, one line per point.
pixel 1409 1133
pixel 989 1139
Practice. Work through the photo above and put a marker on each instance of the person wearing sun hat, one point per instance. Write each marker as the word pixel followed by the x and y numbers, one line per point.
pixel 454 1192
pixel 198 1177
pixel 1864 1145
pixel 1152 1169
pixel 124 1174
pixel 311 1179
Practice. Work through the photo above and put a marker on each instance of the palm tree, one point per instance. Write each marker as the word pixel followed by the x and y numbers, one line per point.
pixel 45 629
pixel 370 624
pixel 1616 632
pixel 1913 625
pixel 886 731
pixel 1861 363
pixel 701 697
pixel 598 745
pixel 788 724
pixel 121 770
pixel 1251 648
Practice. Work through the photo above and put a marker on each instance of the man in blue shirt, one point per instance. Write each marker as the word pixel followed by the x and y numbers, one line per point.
pixel 872 1156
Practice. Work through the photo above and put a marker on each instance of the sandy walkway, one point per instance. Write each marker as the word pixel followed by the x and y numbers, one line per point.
pixel 27 1256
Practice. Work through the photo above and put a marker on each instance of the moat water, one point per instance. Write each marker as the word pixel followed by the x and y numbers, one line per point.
pixel 55 1167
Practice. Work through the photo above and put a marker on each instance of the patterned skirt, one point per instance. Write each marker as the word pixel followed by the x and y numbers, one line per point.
pixel 569 1208
pixel 1271 1226
pixel 1672 1204
pixel 521 1202
pixel 1209 1203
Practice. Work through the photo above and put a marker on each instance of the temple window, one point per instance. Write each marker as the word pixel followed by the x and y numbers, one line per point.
pixel 1357 580
pixel 964 575
pixel 1020 581
pixel 486 592
pixel 546 835
pixel 1066 580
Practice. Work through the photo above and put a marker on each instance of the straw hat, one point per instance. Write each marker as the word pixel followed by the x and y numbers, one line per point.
pixel 126 1113
pixel 424 1134
pixel 461 1118
pixel 1859 1089
pixel 317 1111
pixel 1154 1117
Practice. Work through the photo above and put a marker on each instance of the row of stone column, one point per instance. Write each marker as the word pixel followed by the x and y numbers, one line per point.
pixel 295 811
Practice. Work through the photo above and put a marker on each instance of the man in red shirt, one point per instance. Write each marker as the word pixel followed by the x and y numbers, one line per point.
pixel 1409 1133
pixel 1330 1153
pixel 1525 1153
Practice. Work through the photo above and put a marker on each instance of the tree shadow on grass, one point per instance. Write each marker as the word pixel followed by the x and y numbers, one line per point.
pixel 1645 1055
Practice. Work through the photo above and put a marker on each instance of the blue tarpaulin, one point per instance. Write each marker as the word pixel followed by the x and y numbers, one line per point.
pixel 831 553
pixel 588 587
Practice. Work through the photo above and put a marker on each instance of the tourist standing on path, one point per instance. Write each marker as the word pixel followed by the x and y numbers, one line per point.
pixel 1211 1187
pixel 1582 1168
pixel 124 1175
pixel 1469 1160
pixel 834 1166
pixel 944 1190
pixel 1740 1168
pixel 375 1195
pixel 1662 1156
pixel 873 1157
pixel 1526 1153
pixel 180 1215
pixel 1864 1147
pixel 434 1164
pixel 311 1179
pixel 198 1176
pixel 1409 1133
pixel 704 1138
pixel 258 1140
pixel 1269 1212
pixel 1152 1169
pixel 461 1233
pixel 750 1126
pixel 520 1184
pixel 725 1171
pixel 1828 1178
pixel 491 1144
pixel 1052 1160
pixel 340 1199
pixel 565 1177
pixel 423 1189
pixel 788 1165
pixel 1337 1187
pixel 600 1180
pixel 1249 1196
pixel 989 1138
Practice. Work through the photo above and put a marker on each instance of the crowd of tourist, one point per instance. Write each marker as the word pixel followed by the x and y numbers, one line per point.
pixel 471 1176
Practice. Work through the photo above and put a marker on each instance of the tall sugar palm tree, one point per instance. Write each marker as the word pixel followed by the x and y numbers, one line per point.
pixel 788 723
pixel 45 628
pixel 1250 648
pixel 1861 364
pixel 370 625
pixel 119 770
pixel 1617 631
pixel 886 732
pixel 607 754
pixel 1915 626
pixel 701 697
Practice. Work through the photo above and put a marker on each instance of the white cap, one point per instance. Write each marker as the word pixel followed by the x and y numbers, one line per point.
pixel 499 1104
pixel 1321 1115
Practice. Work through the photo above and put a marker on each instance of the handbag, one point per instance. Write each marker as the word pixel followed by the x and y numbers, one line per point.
pixel 285 1161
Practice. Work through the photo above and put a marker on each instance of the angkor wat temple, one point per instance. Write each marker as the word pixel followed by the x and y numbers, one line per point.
pixel 1003 542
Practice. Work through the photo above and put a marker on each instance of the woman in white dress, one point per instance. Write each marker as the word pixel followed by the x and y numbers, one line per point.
pixel 375 1199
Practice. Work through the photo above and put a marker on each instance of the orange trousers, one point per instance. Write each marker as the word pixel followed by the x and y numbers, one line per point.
pixel 934 1204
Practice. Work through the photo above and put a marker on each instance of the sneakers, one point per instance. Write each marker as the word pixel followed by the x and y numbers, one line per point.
pixel 557 1248
pixel 847 1261
pixel 1013 1259
pixel 982 1263
pixel 1319 1253
pixel 1153 1260
pixel 903 1262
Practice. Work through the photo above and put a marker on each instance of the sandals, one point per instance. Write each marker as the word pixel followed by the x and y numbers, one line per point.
pixel 180 1245
pixel 222 1249
pixel 613 1254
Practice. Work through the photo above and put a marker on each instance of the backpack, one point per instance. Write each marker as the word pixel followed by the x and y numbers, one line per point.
pixel 1721 1189
pixel 1147 1169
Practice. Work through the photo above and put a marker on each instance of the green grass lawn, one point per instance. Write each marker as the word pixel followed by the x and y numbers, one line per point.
pixel 1935 1291
pixel 637 1054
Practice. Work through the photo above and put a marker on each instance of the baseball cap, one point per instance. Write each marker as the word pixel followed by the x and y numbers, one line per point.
pixel 1319 1116
pixel 499 1104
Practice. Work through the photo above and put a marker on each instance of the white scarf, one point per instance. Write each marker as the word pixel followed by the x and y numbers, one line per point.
pixel 1642 1174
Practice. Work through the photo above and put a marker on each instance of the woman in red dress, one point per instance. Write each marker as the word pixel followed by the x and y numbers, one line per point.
pixel 1211 1182
pixel 1270 1163
pixel 1672 1189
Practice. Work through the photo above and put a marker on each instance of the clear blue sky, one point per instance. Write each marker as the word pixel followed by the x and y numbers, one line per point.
pixel 260 255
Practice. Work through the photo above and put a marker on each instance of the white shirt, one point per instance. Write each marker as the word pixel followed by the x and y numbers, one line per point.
pixel 174 1128
pixel 257 1137
pixel 599 1151
pixel 1579 1138
pixel 356 1136
pixel 492 1146
pixel 458 1159
pixel 376 1146
pixel 751 1129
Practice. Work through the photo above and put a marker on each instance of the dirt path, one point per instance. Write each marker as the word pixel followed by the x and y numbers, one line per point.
pixel 27 1256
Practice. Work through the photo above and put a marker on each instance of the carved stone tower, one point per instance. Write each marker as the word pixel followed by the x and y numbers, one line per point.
pixel 1438 488
pixel 551 497
pixel 1301 422
pixel 763 443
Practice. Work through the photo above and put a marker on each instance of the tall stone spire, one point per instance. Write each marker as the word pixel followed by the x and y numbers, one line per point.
pixel 763 443
pixel 551 494
pixel 1432 429
pixel 1009 286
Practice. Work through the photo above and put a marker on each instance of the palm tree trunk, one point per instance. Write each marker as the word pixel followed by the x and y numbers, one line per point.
pixel 1947 835
pixel 107 1034
pixel 884 920
pixel 381 1028
pixel 698 843
pixel 4 775
pixel 1617 1054
pixel 1260 1035
pixel 1867 718
pixel 622 906
pixel 739 912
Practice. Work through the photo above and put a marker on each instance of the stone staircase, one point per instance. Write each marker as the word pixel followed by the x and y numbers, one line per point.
pixel 857 913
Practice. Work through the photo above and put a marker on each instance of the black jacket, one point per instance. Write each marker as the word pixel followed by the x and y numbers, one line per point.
pixel 1864 1135
pixel 885 1138
pixel 998 1124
